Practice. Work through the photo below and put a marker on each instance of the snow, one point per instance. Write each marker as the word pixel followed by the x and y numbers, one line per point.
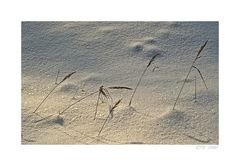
pixel 116 53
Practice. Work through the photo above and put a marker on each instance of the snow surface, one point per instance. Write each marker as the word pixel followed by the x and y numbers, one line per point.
pixel 116 53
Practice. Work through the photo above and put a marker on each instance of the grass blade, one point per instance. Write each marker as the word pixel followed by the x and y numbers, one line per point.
pixel 104 123
pixel 120 87
pixel 103 91
pixel 45 98
pixel 110 113
pixel 140 79
pixel 57 77
pixel 66 77
pixel 195 97
pixel 43 118
pixel 200 50
pixel 95 114
pixel 201 76
pixel 116 104
pixel 197 57
pixel 77 102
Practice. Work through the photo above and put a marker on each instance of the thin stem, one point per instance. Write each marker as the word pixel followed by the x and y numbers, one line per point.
pixel 195 88
pixel 57 77
pixel 107 95
pixel 149 63
pixel 137 86
pixel 182 86
pixel 96 106
pixel 66 77
pixel 110 113
pixel 77 102
pixel 44 118
pixel 200 50
pixel 60 113
pixel 197 57
pixel 201 77
pixel 45 98
pixel 103 125
pixel 119 87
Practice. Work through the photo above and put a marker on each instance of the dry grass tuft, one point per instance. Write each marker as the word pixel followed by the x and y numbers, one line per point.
pixel 106 95
pixel 102 91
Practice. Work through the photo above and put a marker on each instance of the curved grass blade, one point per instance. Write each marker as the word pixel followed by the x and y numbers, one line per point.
pixel 201 76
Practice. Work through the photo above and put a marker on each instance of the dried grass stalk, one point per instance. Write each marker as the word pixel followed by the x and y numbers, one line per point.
pixel 77 102
pixel 197 57
pixel 57 77
pixel 195 89
pixel 140 79
pixel 120 87
pixel 60 113
pixel 65 78
pixel 104 92
pixel 201 76
pixel 200 50
pixel 110 114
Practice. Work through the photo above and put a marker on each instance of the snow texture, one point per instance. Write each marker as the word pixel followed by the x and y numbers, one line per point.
pixel 115 54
